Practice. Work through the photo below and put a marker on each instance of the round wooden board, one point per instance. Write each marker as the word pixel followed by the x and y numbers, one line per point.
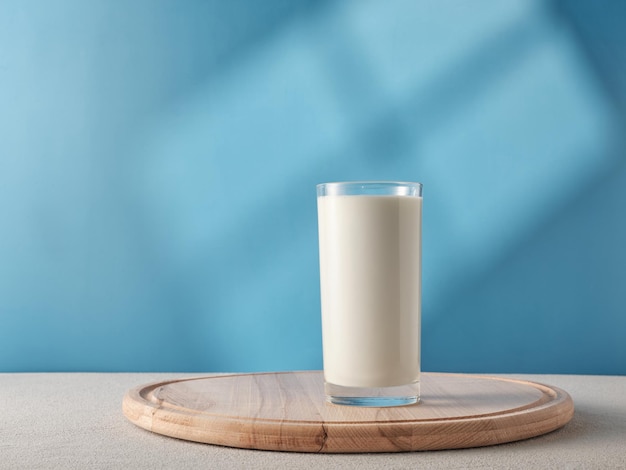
pixel 287 411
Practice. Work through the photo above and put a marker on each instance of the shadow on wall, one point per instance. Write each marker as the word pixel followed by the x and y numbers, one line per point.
pixel 556 302
pixel 175 228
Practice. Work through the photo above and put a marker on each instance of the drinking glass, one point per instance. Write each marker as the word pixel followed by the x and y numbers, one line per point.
pixel 370 247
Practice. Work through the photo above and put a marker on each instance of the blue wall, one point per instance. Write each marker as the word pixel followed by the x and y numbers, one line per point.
pixel 158 162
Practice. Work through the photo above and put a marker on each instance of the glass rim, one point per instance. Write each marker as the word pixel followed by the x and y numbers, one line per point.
pixel 370 187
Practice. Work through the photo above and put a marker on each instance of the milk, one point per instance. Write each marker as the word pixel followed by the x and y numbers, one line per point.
pixel 370 274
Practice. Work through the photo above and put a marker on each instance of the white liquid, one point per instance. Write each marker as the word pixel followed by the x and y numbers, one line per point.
pixel 370 271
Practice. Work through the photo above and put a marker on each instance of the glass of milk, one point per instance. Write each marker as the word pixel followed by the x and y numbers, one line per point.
pixel 370 242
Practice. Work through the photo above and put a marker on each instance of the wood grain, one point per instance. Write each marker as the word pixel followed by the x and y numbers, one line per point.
pixel 287 411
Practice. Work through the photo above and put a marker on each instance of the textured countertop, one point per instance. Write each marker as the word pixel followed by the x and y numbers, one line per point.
pixel 75 420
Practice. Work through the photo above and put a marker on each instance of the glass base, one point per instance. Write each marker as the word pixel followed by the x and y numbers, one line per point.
pixel 373 396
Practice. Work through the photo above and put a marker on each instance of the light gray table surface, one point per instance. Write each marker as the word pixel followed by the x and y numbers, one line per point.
pixel 75 420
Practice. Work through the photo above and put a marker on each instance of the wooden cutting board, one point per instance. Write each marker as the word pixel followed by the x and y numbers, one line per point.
pixel 287 411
